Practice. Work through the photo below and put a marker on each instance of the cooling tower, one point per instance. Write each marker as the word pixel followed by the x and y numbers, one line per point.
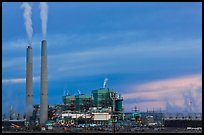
pixel 43 84
pixel 29 82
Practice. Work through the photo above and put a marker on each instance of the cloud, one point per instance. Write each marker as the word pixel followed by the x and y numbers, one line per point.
pixel 110 58
pixel 166 86
pixel 18 80
pixel 80 55
pixel 12 63
pixel 169 93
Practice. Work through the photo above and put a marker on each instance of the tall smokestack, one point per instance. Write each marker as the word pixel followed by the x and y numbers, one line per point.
pixel 29 82
pixel 43 84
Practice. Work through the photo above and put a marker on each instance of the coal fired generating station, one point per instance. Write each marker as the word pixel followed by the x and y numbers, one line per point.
pixel 43 84
pixel 29 82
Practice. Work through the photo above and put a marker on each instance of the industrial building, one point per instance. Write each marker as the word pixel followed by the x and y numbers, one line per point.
pixel 103 107
pixel 103 104
pixel 102 98
pixel 108 98
pixel 83 102
pixel 183 120
pixel 69 102
pixel 105 97
pixel 80 102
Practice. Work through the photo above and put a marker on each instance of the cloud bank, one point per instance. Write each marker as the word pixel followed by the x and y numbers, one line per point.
pixel 172 95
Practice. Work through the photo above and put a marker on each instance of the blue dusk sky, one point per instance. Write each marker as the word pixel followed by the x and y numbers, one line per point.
pixel 150 52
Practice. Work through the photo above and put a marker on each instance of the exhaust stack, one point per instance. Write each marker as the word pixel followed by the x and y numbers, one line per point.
pixel 43 84
pixel 29 82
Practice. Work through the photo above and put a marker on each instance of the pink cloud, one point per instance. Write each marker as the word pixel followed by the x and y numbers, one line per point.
pixel 169 90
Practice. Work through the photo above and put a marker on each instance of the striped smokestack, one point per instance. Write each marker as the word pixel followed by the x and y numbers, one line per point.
pixel 43 84
pixel 29 82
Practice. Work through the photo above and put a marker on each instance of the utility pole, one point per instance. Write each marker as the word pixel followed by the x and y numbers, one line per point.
pixel 190 105
pixel 135 108
pixel 85 121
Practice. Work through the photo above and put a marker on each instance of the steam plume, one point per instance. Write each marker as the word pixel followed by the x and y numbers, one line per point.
pixel 105 82
pixel 28 22
pixel 43 15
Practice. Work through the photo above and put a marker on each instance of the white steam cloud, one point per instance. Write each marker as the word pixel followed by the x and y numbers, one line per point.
pixel 28 22
pixel 44 17
pixel 105 82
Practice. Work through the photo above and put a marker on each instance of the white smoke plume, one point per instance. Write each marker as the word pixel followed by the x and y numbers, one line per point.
pixel 28 22
pixel 29 108
pixel 44 17
pixel 105 82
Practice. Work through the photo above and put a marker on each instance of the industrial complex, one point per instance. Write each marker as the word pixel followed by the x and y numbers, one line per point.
pixel 100 111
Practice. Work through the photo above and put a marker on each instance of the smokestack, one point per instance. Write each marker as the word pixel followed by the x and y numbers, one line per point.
pixel 43 84
pixel 29 82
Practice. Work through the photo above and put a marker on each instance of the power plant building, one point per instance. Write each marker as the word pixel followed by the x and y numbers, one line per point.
pixel 102 98
pixel 80 102
pixel 69 102
pixel 103 103
pixel 105 97
pixel 83 102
